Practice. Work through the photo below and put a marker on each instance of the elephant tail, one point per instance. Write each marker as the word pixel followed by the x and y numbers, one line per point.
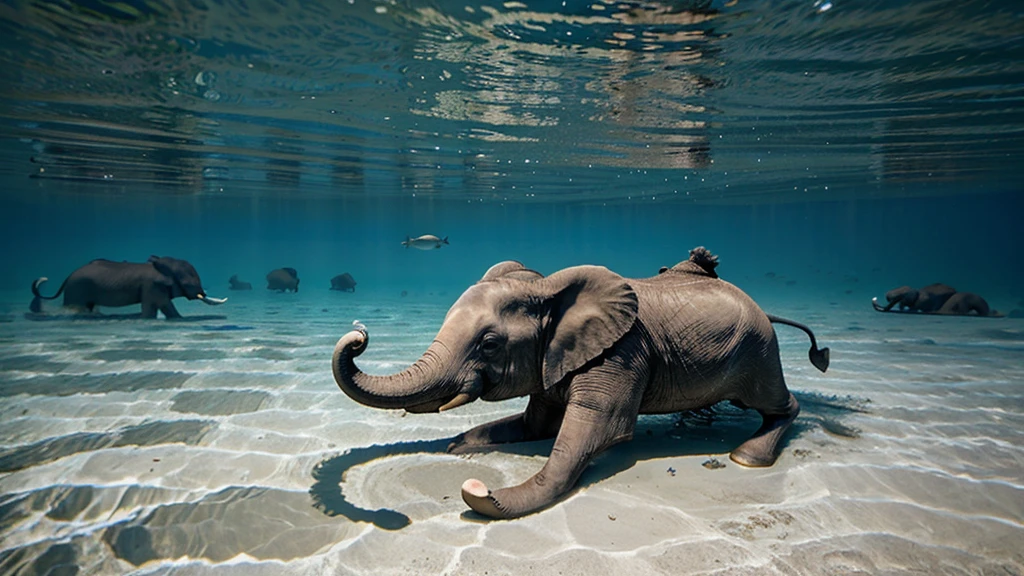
pixel 818 357
pixel 36 306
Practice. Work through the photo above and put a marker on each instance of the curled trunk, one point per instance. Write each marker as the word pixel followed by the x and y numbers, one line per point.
pixel 422 387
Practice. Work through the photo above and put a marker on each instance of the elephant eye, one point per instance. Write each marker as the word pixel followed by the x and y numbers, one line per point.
pixel 490 344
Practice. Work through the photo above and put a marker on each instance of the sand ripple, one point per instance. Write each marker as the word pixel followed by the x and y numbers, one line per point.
pixel 193 448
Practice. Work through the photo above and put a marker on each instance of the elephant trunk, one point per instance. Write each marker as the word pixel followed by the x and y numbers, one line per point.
pixel 886 308
pixel 426 386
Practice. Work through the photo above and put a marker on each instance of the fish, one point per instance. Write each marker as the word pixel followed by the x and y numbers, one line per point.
pixel 425 242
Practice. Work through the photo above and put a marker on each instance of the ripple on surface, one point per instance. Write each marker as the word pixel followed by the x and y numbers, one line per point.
pixel 152 354
pixel 219 402
pixel 69 384
pixel 266 353
pixel 39 363
pixel 44 558
pixel 149 434
pixel 886 554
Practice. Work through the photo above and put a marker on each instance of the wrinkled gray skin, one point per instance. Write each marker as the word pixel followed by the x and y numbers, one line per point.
pixel 106 283
pixel 344 283
pixel 927 299
pixel 592 350
pixel 236 284
pixel 283 279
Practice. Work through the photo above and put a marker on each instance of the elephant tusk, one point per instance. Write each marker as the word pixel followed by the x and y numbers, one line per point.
pixel 456 402
pixel 211 301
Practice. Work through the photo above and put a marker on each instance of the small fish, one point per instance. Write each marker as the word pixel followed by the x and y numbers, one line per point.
pixel 425 242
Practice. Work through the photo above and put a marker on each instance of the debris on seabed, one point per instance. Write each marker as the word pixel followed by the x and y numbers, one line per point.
pixel 712 464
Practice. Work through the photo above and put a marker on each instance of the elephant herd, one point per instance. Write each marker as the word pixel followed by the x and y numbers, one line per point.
pixel 287 280
pixel 591 350
pixel 154 284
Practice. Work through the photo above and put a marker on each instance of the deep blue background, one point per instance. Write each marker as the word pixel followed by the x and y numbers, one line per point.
pixel 817 250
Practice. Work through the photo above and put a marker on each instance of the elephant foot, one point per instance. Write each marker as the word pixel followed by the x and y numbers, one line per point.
pixel 752 459
pixel 762 449
pixel 477 496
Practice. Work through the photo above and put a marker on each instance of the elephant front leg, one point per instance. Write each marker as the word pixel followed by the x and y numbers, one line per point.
pixel 540 421
pixel 170 312
pixel 588 428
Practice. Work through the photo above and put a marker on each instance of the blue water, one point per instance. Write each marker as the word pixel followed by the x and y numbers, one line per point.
pixel 826 151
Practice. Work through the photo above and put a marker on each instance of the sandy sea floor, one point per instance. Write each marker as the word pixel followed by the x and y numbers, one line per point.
pixel 224 446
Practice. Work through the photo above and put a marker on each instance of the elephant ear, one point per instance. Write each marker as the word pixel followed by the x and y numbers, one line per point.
pixel 166 272
pixel 590 309
pixel 510 269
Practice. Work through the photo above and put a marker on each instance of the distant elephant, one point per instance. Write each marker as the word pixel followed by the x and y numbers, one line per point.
pixel 344 283
pixel 283 279
pixel 592 350
pixel 106 283
pixel 927 299
pixel 237 284
pixel 935 299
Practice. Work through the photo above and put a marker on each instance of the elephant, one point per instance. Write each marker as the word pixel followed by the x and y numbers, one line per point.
pixel 283 279
pixel 936 299
pixel 154 284
pixel 592 350
pixel 237 284
pixel 927 299
pixel 344 283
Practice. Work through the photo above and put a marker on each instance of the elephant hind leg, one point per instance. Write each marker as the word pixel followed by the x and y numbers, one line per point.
pixel 762 448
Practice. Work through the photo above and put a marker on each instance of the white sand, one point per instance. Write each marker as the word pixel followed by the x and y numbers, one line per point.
pixel 177 448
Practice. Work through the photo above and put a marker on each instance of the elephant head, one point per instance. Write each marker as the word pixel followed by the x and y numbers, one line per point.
pixel 511 334
pixel 904 296
pixel 181 279
pixel 931 298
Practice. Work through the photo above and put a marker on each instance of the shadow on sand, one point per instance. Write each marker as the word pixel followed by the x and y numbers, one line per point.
pixel 703 432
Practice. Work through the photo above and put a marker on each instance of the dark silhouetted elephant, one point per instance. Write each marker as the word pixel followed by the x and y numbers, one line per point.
pixel 283 279
pixel 236 284
pixel 935 299
pixel 107 283
pixel 343 283
pixel 927 299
